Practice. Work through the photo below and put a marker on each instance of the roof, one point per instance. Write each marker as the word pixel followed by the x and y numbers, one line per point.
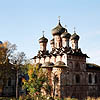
pixel 92 66
pixel 66 35
pixel 75 37
pixel 58 30
pixel 60 64
pixel 77 52
pixel 47 64
pixel 43 39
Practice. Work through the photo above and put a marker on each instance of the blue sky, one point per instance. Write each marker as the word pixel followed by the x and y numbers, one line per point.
pixel 22 23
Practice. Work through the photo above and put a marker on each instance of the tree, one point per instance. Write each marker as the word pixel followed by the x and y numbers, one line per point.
pixel 9 60
pixel 38 84
pixel 6 50
pixel 18 60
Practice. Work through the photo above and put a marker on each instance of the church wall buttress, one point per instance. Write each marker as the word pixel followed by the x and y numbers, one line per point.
pixel 64 58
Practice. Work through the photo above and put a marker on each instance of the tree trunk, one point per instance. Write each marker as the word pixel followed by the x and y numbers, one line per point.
pixel 16 83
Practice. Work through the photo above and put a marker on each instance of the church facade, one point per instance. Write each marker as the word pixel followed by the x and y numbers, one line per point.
pixel 68 72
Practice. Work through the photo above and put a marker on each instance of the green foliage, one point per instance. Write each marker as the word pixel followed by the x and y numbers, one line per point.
pixel 38 85
pixel 44 98
pixel 7 98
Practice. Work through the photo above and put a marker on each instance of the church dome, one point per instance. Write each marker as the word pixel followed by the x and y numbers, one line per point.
pixel 59 63
pixel 65 34
pixel 43 39
pixel 58 30
pixel 1 42
pixel 75 37
pixel 47 64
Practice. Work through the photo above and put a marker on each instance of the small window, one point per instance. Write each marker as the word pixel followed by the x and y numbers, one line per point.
pixel 77 66
pixel 71 64
pixel 90 78
pixel 56 44
pixel 95 79
pixel 19 81
pixel 59 44
pixel 77 79
pixel 9 82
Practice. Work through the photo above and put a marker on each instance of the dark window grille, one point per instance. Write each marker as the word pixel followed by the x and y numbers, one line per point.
pixel 9 82
pixel 77 79
pixel 90 78
pixel 95 79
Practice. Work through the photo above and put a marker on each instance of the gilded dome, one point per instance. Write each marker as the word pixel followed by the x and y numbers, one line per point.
pixel 65 34
pixel 58 30
pixel 75 37
pixel 43 39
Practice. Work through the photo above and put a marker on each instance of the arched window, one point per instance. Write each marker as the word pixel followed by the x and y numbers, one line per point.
pixel 95 79
pixel 9 81
pixel 59 44
pixel 71 64
pixel 56 44
pixel 77 66
pixel 90 78
pixel 77 78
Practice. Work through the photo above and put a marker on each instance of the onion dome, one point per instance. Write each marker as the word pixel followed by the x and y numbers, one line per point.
pixel 52 41
pixel 1 42
pixel 66 34
pixel 43 40
pixel 59 63
pixel 75 37
pixel 47 64
pixel 58 30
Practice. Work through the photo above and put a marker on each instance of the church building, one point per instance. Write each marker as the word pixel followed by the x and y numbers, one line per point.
pixel 69 74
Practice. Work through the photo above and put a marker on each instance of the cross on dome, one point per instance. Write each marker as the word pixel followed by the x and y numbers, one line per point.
pixel 43 32
pixel 74 29
pixel 59 18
